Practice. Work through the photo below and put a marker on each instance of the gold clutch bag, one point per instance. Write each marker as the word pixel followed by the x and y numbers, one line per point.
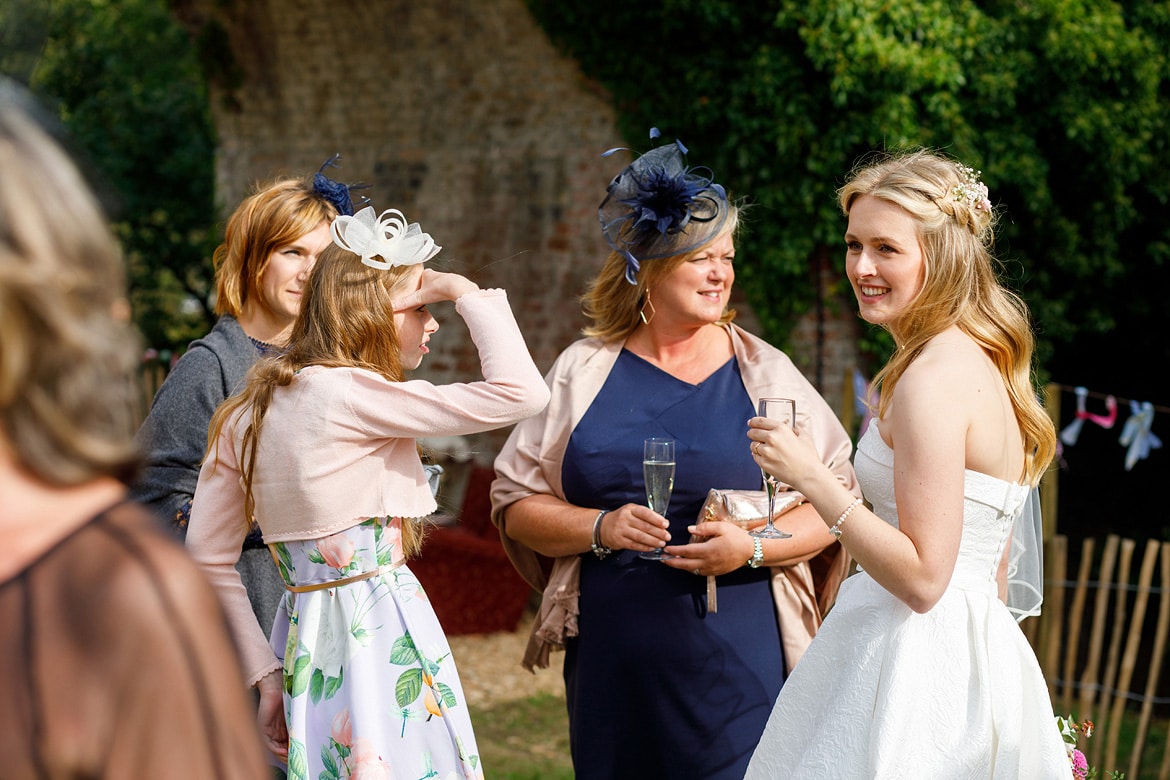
pixel 746 508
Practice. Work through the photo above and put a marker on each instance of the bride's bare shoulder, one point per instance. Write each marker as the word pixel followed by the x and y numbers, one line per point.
pixel 946 358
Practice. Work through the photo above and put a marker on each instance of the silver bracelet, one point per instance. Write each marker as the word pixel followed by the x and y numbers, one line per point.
pixel 836 529
pixel 599 549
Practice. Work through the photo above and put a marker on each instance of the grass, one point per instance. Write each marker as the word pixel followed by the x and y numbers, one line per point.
pixel 1152 750
pixel 525 739
pixel 528 739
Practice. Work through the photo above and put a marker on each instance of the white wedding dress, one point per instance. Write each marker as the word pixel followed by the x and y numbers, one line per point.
pixel 884 692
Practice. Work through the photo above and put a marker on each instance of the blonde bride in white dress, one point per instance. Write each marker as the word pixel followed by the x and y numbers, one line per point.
pixel 920 670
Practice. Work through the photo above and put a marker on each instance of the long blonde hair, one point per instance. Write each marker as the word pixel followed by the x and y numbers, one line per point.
pixel 69 402
pixel 960 288
pixel 346 320
pixel 613 304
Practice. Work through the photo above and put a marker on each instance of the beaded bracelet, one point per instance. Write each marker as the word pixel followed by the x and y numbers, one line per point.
pixel 599 549
pixel 836 529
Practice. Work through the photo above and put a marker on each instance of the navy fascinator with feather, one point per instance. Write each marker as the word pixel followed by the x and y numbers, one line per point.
pixel 334 191
pixel 650 204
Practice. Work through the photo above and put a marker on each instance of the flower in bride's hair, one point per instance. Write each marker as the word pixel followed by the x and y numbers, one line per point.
pixel 971 189
pixel 388 237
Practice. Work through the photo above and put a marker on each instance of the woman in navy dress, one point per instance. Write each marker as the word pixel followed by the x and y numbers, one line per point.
pixel 657 684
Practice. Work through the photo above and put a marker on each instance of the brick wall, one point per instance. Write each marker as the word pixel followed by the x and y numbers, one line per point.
pixel 462 115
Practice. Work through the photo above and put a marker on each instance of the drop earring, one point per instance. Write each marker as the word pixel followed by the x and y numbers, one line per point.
pixel 642 311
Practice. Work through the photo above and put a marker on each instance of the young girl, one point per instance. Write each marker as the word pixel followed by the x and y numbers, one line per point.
pixel 320 449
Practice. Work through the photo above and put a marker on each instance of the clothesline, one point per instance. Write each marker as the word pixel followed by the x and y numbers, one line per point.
pixel 1119 399
pixel 1097 688
pixel 1071 585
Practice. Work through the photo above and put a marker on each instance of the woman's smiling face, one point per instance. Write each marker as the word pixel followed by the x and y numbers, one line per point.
pixel 698 290
pixel 883 259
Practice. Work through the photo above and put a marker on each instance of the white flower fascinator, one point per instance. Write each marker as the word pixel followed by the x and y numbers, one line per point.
pixel 388 236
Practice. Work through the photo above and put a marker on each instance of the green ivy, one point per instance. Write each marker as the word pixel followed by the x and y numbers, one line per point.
pixel 122 75
pixel 1061 104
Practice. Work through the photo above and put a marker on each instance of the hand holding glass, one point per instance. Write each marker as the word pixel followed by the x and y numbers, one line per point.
pixel 784 410
pixel 658 473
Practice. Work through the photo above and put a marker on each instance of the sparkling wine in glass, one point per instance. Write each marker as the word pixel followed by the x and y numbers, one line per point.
pixel 784 410
pixel 658 472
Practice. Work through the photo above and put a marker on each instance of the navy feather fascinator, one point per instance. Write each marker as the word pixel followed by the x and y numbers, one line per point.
pixel 334 191
pixel 650 204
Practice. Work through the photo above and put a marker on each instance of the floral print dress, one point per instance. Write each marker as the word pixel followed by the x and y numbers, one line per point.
pixel 370 687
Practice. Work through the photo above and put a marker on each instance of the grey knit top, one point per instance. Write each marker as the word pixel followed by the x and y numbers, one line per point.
pixel 174 435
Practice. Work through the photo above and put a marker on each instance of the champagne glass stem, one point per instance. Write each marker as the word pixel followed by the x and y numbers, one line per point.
pixel 770 486
pixel 777 409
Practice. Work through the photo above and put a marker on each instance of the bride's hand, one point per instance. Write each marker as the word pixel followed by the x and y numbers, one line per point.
pixel 785 454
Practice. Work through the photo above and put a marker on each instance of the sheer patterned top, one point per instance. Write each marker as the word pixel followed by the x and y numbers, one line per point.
pixel 115 662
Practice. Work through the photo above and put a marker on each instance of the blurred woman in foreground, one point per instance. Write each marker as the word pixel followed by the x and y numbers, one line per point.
pixel 115 661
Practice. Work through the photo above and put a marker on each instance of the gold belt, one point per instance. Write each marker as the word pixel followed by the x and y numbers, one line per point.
pixel 343 581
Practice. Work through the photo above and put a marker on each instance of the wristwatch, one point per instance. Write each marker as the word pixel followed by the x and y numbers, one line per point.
pixel 757 553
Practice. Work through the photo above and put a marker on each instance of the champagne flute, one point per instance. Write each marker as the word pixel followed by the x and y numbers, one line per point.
pixel 784 410
pixel 658 473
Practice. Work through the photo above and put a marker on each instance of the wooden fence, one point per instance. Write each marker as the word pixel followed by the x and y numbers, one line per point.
pixel 1101 641
pixel 150 378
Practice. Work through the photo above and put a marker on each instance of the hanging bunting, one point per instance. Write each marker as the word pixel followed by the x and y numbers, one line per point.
pixel 1073 429
pixel 1136 435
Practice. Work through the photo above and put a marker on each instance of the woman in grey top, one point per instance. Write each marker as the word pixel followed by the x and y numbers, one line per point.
pixel 270 245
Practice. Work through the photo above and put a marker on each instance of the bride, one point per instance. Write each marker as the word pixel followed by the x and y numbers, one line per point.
pixel 920 670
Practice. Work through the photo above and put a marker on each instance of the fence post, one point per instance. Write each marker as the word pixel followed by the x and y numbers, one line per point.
pixel 1112 692
pixel 1050 631
pixel 1132 641
pixel 1091 675
pixel 1050 482
pixel 1076 611
pixel 1156 656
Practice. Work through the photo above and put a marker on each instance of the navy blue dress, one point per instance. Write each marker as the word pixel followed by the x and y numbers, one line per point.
pixel 656 686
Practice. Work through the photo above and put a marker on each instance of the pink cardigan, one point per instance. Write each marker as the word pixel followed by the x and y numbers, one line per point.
pixel 338 446
pixel 530 464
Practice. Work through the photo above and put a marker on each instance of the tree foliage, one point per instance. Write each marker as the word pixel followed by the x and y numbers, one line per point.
pixel 124 79
pixel 1060 104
